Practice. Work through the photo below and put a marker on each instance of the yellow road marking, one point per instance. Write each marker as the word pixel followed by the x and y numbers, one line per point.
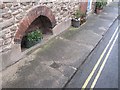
pixel 103 64
pixel 98 62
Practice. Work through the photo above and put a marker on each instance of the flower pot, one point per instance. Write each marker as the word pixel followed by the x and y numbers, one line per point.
pixel 29 44
pixel 75 22
pixel 83 20
pixel 98 11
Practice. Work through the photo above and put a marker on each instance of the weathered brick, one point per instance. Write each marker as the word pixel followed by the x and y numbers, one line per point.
pixel 25 3
pixel 7 41
pixel 15 8
pixel 6 1
pixel 7 16
pixel 26 7
pixel 2 34
pixel 17 12
pixel 19 16
pixel 17 21
pixel 7 23
pixel 6 36
pixel 2 6
pixel 65 14
pixel 5 48
pixel 13 28
pixel 1 20
pixel 1 41
pixel 13 34
pixel 5 10
pixel 15 4
pixel 8 5
pixel 5 31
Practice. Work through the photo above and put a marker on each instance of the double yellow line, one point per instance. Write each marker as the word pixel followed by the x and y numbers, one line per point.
pixel 99 60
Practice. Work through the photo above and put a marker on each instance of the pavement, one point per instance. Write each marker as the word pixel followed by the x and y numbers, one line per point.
pixel 53 64
pixel 109 75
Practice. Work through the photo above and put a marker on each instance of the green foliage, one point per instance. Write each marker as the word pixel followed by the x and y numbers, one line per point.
pixel 83 15
pixel 79 14
pixel 34 35
pixel 101 3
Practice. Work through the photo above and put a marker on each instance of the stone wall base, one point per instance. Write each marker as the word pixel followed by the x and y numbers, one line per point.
pixel 62 27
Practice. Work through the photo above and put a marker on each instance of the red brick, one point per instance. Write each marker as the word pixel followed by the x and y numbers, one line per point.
pixel 83 6
pixel 30 17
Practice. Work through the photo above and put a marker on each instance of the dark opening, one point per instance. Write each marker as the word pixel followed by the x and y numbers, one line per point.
pixel 43 24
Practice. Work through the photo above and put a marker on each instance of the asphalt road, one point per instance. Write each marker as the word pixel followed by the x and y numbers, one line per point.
pixel 106 73
pixel 109 75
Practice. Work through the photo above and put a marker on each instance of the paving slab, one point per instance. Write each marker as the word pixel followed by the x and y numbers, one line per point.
pixel 99 27
pixel 86 37
pixel 36 75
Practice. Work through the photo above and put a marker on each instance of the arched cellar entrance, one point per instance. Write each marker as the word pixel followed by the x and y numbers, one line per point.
pixel 37 19
pixel 43 24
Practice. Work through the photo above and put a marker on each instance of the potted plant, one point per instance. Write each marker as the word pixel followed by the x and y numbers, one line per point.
pixel 76 19
pixel 83 18
pixel 33 38
pixel 100 5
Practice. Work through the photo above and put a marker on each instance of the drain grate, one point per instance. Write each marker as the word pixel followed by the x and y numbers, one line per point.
pixel 55 65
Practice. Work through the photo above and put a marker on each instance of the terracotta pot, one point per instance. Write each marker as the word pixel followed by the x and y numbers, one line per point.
pixel 83 20
pixel 98 11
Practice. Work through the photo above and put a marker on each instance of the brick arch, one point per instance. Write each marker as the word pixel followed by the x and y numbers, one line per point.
pixel 30 17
